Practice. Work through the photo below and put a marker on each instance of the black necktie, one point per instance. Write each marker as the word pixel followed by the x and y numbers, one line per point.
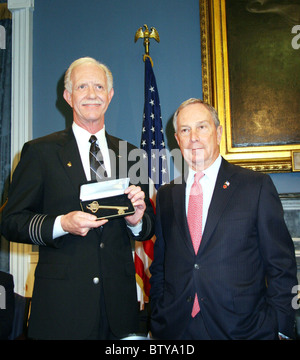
pixel 98 171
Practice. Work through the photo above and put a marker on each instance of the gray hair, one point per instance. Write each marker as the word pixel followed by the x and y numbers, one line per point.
pixel 190 101
pixel 87 60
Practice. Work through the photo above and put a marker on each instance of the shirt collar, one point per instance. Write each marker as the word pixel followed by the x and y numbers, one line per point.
pixel 211 172
pixel 83 136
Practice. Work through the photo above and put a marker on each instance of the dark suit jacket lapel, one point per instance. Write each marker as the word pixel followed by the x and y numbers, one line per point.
pixel 70 158
pixel 178 198
pixel 219 201
pixel 115 158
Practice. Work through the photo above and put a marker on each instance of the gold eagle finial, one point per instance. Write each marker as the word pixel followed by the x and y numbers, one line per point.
pixel 146 35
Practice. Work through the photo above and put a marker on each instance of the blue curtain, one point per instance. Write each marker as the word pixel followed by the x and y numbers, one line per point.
pixel 5 118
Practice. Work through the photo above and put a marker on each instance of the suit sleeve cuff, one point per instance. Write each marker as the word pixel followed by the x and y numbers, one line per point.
pixel 41 231
pixel 57 228
pixel 136 229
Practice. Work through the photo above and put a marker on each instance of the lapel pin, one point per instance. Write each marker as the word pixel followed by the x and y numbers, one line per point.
pixel 226 184
pixel 69 164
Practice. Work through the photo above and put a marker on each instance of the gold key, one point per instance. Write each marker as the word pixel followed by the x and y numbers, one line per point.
pixel 94 207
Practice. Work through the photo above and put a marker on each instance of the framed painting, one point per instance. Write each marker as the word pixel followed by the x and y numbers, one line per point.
pixel 251 75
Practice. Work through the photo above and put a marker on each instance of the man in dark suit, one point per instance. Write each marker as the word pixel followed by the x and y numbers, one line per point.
pixel 238 284
pixel 85 279
pixel 7 304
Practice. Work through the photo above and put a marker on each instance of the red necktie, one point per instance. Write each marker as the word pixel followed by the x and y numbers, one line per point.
pixel 194 218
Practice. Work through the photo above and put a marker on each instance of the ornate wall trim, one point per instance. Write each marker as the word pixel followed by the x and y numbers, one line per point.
pixel 21 130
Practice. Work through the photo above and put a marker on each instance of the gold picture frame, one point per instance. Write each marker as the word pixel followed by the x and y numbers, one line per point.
pixel 216 91
pixel 296 160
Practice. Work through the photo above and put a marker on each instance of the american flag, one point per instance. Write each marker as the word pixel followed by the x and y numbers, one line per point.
pixel 155 154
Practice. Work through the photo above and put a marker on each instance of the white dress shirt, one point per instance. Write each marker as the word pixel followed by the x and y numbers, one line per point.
pixel 207 182
pixel 82 137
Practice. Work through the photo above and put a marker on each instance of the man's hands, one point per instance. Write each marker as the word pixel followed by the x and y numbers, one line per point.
pixel 137 197
pixel 80 223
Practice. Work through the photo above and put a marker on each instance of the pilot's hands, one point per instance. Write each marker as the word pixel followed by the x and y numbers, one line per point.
pixel 80 223
pixel 137 196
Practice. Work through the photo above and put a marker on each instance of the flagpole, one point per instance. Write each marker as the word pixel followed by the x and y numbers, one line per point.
pixel 153 143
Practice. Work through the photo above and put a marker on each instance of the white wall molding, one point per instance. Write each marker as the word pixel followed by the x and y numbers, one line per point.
pixel 20 4
pixel 21 116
